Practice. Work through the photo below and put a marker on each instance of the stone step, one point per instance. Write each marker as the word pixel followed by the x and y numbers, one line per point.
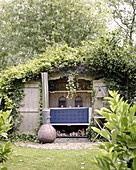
pixel 71 140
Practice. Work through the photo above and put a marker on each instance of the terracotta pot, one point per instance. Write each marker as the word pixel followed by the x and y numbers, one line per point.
pixel 47 133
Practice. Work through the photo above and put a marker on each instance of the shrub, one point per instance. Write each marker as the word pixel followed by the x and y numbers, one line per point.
pixel 90 133
pixel 120 150
pixel 23 137
pixel 5 119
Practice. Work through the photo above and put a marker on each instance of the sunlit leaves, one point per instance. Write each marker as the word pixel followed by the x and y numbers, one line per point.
pixel 28 27
pixel 120 150
pixel 124 13
pixel 5 125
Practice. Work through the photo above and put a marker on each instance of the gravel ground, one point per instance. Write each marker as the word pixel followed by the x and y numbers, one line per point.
pixel 63 144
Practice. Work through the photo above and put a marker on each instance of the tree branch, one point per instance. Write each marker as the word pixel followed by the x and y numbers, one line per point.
pixel 133 22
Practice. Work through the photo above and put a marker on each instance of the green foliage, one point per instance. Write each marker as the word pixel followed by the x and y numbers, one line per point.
pixel 23 137
pixel 124 14
pixel 5 125
pixel 41 23
pixel 115 63
pixel 11 84
pixel 120 150
pixel 103 59
pixel 90 132
pixel 5 151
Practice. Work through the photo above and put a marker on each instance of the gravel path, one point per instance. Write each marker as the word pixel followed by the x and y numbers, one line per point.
pixel 63 144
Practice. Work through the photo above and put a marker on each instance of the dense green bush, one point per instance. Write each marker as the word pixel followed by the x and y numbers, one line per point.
pixel 23 137
pixel 5 119
pixel 114 62
pixel 120 150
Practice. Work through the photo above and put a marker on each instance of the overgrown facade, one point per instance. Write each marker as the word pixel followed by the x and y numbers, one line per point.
pixel 69 115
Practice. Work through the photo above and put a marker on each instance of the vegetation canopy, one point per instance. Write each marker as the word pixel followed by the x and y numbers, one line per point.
pixel 41 23
pixel 103 59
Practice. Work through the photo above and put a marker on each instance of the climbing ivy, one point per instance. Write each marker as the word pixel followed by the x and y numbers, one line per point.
pixel 115 63
pixel 105 59
pixel 11 85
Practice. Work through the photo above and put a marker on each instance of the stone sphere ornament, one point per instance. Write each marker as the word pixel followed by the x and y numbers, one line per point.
pixel 47 133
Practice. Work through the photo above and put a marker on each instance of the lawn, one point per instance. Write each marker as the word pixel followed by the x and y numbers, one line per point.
pixel 40 159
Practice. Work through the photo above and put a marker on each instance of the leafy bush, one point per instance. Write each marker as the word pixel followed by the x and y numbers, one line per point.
pixel 23 137
pixel 120 150
pixel 5 148
pixel 90 133
pixel 5 125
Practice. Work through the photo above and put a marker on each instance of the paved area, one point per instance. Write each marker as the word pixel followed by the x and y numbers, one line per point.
pixel 63 143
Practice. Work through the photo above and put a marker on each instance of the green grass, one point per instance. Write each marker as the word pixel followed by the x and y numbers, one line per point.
pixel 40 159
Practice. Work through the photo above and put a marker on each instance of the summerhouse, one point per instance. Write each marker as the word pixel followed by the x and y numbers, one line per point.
pixel 70 116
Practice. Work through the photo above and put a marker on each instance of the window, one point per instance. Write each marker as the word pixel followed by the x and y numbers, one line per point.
pixel 62 101
pixel 78 102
